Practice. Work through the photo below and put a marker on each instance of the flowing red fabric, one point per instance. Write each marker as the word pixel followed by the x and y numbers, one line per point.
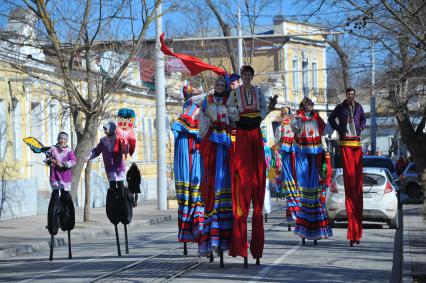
pixel 194 64
pixel 353 180
pixel 248 187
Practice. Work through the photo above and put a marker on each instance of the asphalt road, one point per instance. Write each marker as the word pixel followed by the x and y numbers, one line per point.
pixel 155 256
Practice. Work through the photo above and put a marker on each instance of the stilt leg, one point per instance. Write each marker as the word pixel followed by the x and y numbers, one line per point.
pixel 315 242
pixel 211 258
pixel 126 239
pixel 51 248
pixel 118 240
pixel 289 227
pixel 266 218
pixel 69 245
pixel 185 249
pixel 257 261
pixel 221 259
pixel 245 263
pixel 303 241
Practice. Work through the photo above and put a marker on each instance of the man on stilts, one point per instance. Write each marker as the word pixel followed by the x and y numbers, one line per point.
pixel 351 122
pixel 247 107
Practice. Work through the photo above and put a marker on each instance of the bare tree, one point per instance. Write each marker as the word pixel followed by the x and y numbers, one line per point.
pixel 73 37
pixel 397 28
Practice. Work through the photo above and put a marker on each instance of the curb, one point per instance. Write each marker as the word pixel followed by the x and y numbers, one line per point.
pixel 83 235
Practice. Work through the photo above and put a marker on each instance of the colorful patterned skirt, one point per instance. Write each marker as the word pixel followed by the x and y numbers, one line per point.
pixel 312 222
pixel 217 198
pixel 289 186
pixel 187 170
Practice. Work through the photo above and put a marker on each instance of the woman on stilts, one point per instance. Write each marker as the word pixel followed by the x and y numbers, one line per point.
pixel 311 222
pixel 284 138
pixel 215 186
pixel 187 168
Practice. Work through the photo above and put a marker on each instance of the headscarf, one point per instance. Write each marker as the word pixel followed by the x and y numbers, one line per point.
pixel 110 127
pixel 62 135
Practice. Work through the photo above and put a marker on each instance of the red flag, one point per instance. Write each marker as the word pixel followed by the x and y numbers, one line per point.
pixel 194 64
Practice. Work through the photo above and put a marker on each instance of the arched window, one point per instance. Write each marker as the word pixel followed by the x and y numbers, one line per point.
pixel 295 75
pixel 150 139
pixel 3 130
pixel 17 129
pixel 315 75
pixel 144 148
pixel 305 75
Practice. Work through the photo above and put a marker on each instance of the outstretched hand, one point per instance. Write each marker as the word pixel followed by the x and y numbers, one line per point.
pixel 272 103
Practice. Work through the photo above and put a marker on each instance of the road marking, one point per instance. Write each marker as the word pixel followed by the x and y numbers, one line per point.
pixel 266 269
pixel 93 258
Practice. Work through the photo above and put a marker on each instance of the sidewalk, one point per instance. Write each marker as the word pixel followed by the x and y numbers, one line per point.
pixel 28 234
pixel 414 244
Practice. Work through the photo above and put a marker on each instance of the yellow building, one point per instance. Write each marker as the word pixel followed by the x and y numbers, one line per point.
pixel 289 59
pixel 28 108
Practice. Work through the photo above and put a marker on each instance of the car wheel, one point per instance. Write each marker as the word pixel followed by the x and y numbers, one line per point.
pixel 394 223
pixel 414 191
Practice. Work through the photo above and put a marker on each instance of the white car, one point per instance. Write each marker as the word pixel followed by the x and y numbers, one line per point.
pixel 380 198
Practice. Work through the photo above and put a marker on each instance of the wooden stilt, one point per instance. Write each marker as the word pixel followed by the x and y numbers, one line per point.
pixel 69 245
pixel 257 261
pixel 303 241
pixel 245 263
pixel 126 239
pixel 185 249
pixel 51 248
pixel 289 227
pixel 118 240
pixel 211 258
pixel 221 259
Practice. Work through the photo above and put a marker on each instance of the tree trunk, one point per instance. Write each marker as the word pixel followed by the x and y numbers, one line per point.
pixel 87 171
pixel 343 60
pixel 85 143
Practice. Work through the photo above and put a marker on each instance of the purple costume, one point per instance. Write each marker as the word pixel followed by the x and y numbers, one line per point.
pixel 60 175
pixel 114 164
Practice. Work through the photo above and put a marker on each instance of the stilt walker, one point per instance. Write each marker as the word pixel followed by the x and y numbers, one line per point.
pixel 351 117
pixel 215 186
pixel 209 240
pixel 61 212
pixel 311 222
pixel 119 203
pixel 187 169
pixel 270 177
pixel 247 108
pixel 284 138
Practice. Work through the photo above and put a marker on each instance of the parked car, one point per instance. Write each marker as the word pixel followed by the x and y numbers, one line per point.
pixel 409 182
pixel 380 199
pixel 371 161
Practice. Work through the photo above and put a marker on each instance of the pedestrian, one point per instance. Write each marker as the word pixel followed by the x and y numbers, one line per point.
pixel 311 222
pixel 401 164
pixel 284 138
pixel 247 108
pixel 187 167
pixel 270 177
pixel 215 184
pixel 133 178
pixel 351 117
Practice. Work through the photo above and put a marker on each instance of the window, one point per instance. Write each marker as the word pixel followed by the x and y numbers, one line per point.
pixel 3 130
pixel 150 138
pixel 305 78
pixel 295 75
pixel 144 149
pixel 314 76
pixel 17 129
pixel 53 124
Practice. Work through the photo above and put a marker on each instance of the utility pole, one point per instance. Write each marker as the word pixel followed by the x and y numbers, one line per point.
pixel 240 40
pixel 373 128
pixel 161 117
